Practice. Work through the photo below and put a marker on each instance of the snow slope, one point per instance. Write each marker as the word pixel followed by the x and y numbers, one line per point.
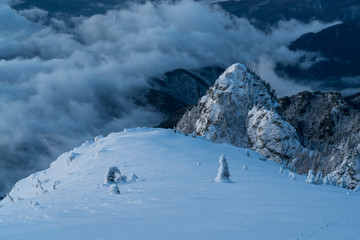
pixel 175 196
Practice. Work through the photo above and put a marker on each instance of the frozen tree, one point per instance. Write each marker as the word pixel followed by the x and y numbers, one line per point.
pixel 114 189
pixel 357 189
pixel 326 180
pixel 293 164
pixel 291 175
pixel 247 153
pixel 319 178
pixel 262 158
pixel 281 170
pixel 112 175
pixel 342 183
pixel 310 177
pixel 223 172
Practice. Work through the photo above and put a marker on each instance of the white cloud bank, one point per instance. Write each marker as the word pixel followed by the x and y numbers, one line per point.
pixel 61 86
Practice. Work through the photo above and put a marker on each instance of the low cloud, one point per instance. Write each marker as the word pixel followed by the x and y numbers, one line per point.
pixel 60 86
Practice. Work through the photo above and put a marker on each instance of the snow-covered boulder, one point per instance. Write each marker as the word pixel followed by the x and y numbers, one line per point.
pixel 271 136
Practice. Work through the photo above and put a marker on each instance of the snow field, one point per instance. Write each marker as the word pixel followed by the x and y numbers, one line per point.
pixel 175 196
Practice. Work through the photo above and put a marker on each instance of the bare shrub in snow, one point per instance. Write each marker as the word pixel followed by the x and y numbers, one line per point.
pixel 39 184
pixel 223 172
pixel 262 158
pixel 10 197
pixel 72 157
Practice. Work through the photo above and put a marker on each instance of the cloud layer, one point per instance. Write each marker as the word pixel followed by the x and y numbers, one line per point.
pixel 60 86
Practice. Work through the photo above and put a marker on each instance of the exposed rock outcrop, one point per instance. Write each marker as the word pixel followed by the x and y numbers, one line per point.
pixel 221 115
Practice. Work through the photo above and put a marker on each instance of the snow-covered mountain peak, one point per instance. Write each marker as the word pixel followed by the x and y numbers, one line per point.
pixel 232 78
pixel 221 115
pixel 241 82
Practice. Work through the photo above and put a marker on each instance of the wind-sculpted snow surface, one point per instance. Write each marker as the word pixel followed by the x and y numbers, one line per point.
pixel 174 196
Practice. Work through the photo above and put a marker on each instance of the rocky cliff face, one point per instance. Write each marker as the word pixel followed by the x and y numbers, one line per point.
pixel 318 131
pixel 242 109
pixel 328 124
pixel 271 136
pixel 221 115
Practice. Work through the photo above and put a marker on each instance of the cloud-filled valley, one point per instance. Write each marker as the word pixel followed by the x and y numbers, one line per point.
pixel 62 84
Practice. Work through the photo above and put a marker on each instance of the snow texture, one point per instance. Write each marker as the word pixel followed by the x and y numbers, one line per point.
pixel 175 199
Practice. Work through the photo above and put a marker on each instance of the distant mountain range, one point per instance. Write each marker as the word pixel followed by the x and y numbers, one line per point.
pixel 338 45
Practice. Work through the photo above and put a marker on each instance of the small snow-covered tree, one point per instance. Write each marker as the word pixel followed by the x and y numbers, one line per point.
pixel 342 183
pixel 247 153
pixel 245 167
pixel 281 170
pixel 326 180
pixel 262 158
pixel 223 172
pixel 310 177
pixel 318 178
pixel 292 176
pixel 112 175
pixel 293 164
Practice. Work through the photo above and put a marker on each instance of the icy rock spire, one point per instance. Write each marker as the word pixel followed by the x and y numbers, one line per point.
pixel 221 115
